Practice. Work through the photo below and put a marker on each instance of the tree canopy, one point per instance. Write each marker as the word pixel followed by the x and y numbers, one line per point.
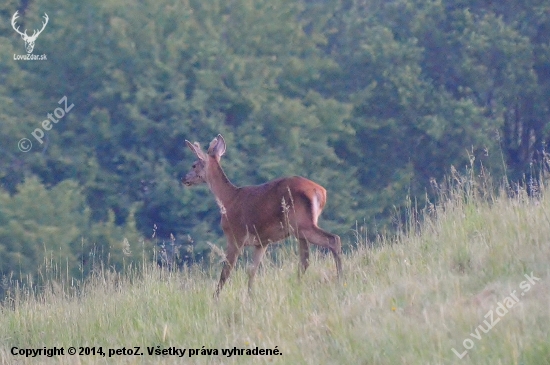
pixel 372 99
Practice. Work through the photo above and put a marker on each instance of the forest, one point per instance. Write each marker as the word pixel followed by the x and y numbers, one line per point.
pixel 379 101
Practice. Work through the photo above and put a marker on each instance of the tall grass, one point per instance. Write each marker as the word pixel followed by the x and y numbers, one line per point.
pixel 408 299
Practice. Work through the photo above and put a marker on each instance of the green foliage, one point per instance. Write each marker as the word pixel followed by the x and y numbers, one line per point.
pixel 42 228
pixel 374 100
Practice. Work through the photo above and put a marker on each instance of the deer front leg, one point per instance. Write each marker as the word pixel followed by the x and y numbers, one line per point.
pixel 231 256
pixel 259 252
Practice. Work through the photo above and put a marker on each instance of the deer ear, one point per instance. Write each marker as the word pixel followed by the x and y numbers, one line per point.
pixel 221 145
pixel 196 148
pixel 217 147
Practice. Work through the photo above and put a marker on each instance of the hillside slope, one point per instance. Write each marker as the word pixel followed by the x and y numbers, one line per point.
pixel 471 286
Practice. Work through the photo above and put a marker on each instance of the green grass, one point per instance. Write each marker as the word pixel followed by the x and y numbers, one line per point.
pixel 407 300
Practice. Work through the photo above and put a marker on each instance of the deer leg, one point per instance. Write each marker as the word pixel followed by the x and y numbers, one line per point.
pixel 231 256
pixel 304 256
pixel 259 252
pixel 323 238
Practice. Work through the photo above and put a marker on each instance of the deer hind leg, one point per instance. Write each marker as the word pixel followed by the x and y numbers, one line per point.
pixel 231 256
pixel 304 256
pixel 259 252
pixel 325 239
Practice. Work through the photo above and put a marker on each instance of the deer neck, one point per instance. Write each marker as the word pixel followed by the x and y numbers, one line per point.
pixel 220 185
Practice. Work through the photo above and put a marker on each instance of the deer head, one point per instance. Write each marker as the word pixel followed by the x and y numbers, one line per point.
pixel 198 173
pixel 29 40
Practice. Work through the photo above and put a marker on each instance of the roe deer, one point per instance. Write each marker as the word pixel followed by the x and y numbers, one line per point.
pixel 262 214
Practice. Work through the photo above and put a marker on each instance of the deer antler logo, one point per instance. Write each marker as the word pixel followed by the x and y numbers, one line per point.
pixel 29 40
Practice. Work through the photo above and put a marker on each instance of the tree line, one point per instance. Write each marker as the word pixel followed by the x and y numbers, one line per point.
pixel 372 99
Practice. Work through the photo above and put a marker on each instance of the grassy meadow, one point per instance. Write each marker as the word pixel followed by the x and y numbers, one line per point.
pixel 449 283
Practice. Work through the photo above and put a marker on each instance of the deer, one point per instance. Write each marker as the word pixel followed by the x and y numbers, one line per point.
pixel 29 40
pixel 260 215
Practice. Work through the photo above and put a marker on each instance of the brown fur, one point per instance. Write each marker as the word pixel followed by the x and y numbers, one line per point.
pixel 262 214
